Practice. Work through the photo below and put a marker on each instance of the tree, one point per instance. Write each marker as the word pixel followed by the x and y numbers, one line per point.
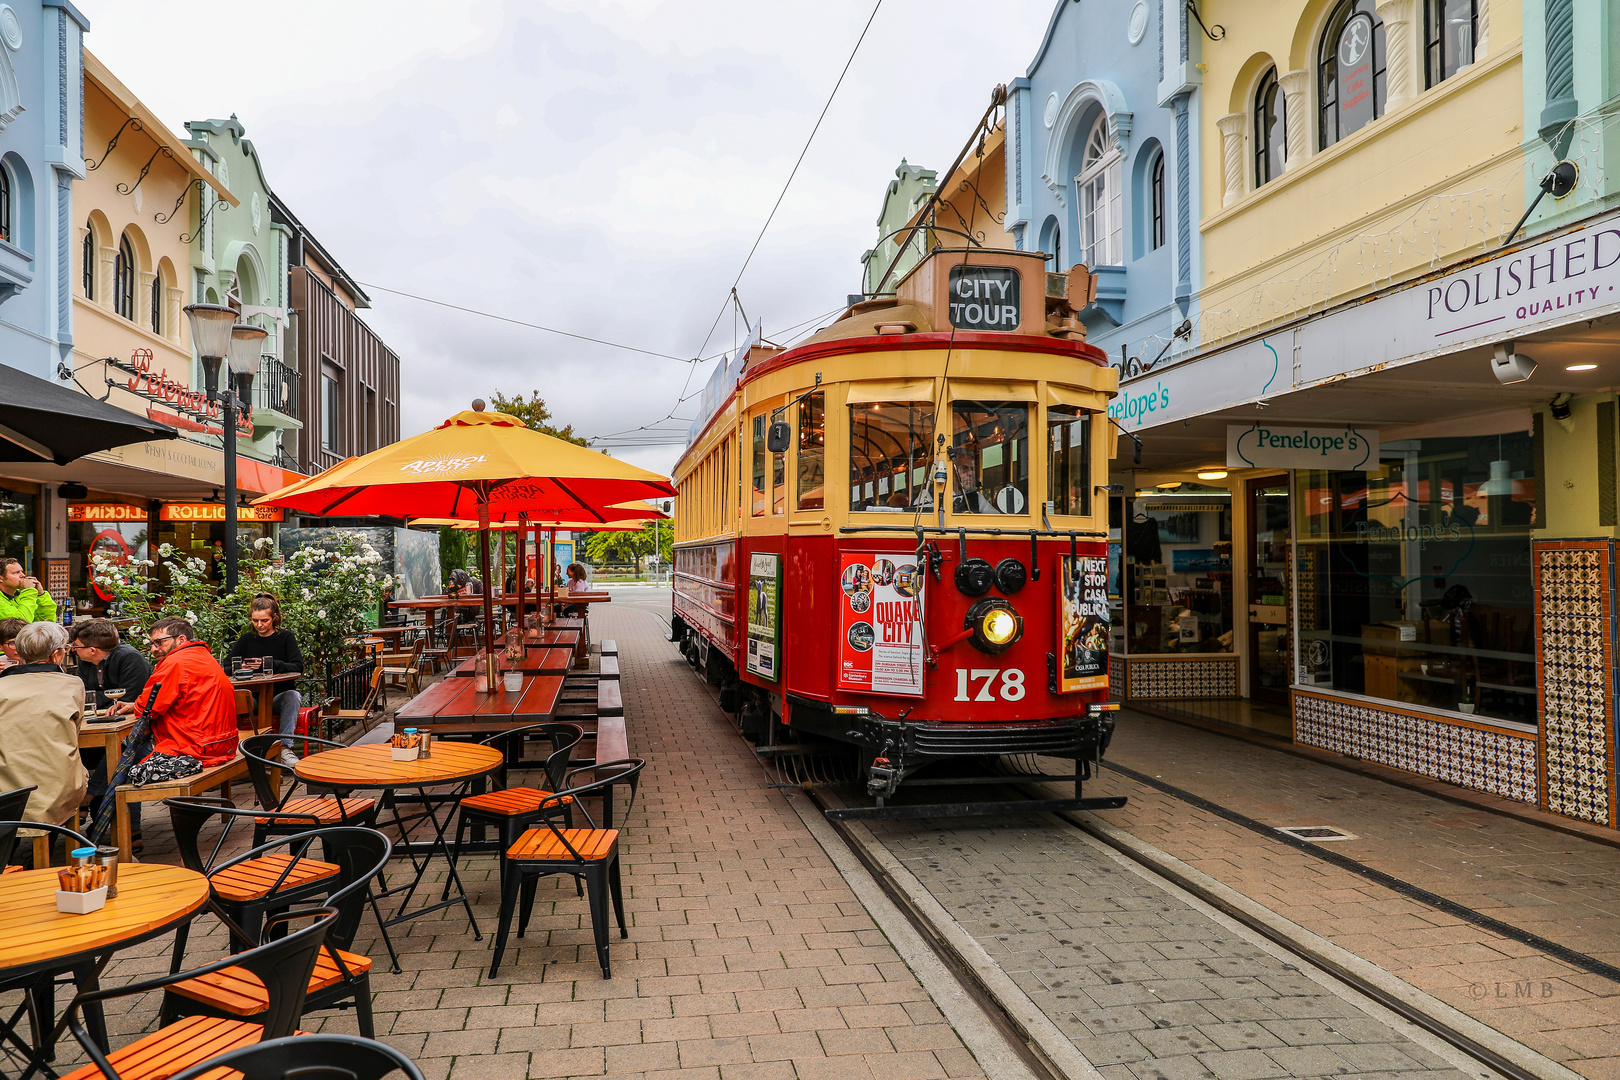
pixel 534 415
pixel 452 550
pixel 631 547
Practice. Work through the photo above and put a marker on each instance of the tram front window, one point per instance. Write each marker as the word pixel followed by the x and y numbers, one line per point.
pixel 813 451
pixel 1068 461
pixel 888 455
pixel 759 454
pixel 990 455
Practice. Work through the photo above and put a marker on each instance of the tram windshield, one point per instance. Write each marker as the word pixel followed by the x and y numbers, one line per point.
pixel 1068 461
pixel 812 451
pixel 888 455
pixel 990 455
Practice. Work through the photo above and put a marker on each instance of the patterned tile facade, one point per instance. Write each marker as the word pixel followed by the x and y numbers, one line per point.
pixel 1168 679
pixel 1493 761
pixel 1575 646
pixel 1116 676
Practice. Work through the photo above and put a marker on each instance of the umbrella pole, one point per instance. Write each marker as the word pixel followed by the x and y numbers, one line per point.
pixel 489 606
pixel 551 575
pixel 522 568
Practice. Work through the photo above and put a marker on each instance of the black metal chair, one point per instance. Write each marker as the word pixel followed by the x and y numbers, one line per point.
pixel 590 854
pixel 39 997
pixel 283 965
pixel 309 1057
pixel 12 805
pixel 320 809
pixel 510 810
pixel 341 980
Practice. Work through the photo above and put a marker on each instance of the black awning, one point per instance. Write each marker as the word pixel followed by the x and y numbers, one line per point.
pixel 40 421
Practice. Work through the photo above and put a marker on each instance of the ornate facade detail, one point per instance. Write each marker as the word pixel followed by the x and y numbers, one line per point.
pixel 1296 88
pixel 1482 25
pixel 1231 128
pixel 1575 641
pixel 1400 71
pixel 11 39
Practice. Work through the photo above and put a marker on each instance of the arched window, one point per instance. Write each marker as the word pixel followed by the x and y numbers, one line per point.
pixel 1270 130
pixel 1156 196
pixel 88 257
pixel 157 303
pixel 5 205
pixel 1054 258
pixel 1100 210
pixel 124 280
pixel 1449 29
pixel 1350 70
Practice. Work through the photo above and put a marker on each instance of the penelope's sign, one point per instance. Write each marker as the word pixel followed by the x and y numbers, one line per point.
pixel 1340 449
pixel 984 298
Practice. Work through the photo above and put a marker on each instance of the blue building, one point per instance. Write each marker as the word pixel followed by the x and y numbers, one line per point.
pixel 1102 145
pixel 41 154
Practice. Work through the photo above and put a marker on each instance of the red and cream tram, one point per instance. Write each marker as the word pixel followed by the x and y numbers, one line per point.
pixel 895 533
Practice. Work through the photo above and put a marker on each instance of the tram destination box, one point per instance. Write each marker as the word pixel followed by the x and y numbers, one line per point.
pixel 953 284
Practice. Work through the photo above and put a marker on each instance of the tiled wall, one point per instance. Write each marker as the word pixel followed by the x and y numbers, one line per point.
pixel 1486 759
pixel 1167 679
pixel 1575 636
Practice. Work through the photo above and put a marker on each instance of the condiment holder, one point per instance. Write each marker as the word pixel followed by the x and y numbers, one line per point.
pixel 84 883
pixel 406 746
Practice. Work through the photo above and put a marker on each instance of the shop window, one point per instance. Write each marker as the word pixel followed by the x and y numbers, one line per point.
pixel 17 539
pixel 990 455
pixel 87 256
pixel 1350 71
pixel 1156 200
pixel 1100 211
pixel 1270 130
pixel 1414 580
pixel 124 279
pixel 1449 29
pixel 812 492
pixel 1068 460
pixel 758 456
pixel 1178 571
pixel 888 455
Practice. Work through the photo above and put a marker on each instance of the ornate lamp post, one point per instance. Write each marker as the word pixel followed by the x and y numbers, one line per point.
pixel 220 338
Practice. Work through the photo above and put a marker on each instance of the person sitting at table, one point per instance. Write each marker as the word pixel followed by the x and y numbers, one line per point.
pixel 107 663
pixel 576 584
pixel 8 639
pixel 193 707
pixel 270 649
pixel 40 711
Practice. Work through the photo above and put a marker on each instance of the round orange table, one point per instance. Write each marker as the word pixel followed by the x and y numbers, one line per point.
pixel 41 941
pixel 373 766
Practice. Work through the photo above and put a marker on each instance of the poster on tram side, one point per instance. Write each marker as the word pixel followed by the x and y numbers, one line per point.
pixel 1083 625
pixel 880 601
pixel 764 615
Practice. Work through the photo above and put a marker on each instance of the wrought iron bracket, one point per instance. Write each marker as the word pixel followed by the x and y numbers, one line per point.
pixel 1213 35
pixel 107 153
pixel 130 190
pixel 164 219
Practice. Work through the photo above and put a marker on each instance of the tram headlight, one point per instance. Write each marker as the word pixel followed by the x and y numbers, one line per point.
pixel 996 625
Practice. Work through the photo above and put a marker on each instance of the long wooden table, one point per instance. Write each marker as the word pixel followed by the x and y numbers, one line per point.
pixel 461 707
pixel 547 660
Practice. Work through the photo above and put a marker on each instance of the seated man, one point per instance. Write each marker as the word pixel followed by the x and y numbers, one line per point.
pixel 8 641
pixel 268 649
pixel 107 663
pixel 40 709
pixel 22 596
pixel 193 707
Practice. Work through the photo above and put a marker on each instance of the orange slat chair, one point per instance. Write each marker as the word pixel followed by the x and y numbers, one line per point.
pixel 513 809
pixel 318 809
pixel 341 979
pixel 590 854
pixel 282 965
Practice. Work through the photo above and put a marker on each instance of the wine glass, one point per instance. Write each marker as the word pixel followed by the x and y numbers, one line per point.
pixel 114 694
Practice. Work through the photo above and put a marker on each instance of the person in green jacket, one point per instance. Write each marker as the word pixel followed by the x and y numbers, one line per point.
pixel 21 596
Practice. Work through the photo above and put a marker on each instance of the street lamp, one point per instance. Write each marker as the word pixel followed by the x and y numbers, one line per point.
pixel 220 338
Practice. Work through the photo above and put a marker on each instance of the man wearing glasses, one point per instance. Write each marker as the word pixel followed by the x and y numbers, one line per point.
pixel 193 707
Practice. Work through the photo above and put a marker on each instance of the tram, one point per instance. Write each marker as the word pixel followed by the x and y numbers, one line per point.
pixel 894 534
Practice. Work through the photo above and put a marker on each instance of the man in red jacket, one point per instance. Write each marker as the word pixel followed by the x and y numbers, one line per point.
pixel 194 711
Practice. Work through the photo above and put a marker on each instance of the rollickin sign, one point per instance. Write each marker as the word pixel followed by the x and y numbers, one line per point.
pixel 880 623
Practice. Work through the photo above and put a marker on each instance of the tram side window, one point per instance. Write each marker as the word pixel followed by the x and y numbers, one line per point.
pixel 990 453
pixel 1068 460
pixel 813 451
pixel 888 455
pixel 759 455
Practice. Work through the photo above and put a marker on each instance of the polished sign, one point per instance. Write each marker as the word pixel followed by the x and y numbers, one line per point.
pixel 1083 629
pixel 216 512
pixel 1265 446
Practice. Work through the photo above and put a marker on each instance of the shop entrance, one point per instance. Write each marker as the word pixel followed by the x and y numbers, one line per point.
pixel 1271 644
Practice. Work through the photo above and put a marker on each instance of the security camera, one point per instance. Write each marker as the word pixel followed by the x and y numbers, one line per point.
pixel 1511 367
pixel 1561 413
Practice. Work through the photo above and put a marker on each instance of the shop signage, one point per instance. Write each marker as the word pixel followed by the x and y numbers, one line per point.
pixel 1355 73
pixel 159 388
pixel 1264 446
pixel 106 512
pixel 984 297
pixel 216 512
pixel 880 624
pixel 764 615
pixel 1083 629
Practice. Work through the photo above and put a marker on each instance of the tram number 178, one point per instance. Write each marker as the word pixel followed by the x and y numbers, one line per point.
pixel 988 682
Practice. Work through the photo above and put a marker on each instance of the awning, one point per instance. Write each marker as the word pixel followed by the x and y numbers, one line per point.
pixel 861 393
pixel 40 421
pixel 1076 399
pixel 988 390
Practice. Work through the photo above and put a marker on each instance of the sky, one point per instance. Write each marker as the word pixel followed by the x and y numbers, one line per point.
pixel 597 166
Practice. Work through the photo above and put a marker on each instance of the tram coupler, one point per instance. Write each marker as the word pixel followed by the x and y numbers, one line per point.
pixel 882 777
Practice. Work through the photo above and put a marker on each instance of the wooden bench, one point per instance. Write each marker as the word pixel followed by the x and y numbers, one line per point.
pixel 219 776
pixel 609 668
pixel 609 699
pixel 610 647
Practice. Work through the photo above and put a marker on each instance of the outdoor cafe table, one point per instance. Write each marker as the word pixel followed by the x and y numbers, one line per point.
pixel 152 899
pixel 546 638
pixel 264 689
pixel 107 733
pixel 373 766
pixel 543 661
pixel 463 707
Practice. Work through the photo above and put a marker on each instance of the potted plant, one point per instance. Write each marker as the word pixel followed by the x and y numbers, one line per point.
pixel 1465 704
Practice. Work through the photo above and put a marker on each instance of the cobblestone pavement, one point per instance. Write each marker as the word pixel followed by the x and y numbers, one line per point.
pixel 1562 887
pixel 749 958
pixel 1143 984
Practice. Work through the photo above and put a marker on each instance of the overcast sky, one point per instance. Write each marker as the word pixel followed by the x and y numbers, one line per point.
pixel 599 166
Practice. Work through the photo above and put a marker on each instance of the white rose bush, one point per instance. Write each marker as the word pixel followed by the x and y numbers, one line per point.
pixel 325 592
